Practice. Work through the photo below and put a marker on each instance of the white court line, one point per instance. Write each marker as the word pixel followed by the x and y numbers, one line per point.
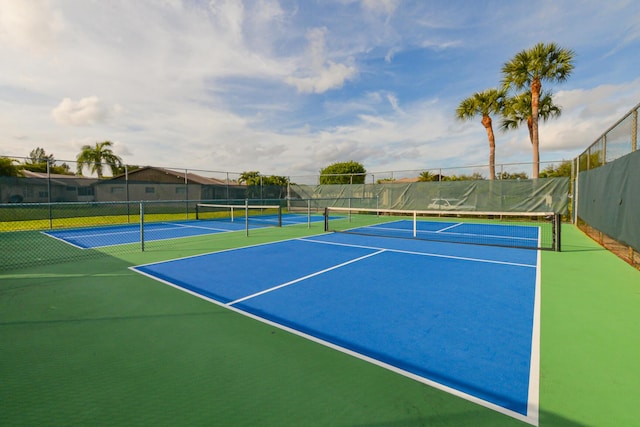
pixel 135 231
pixel 62 240
pixel 488 261
pixel 217 252
pixel 533 405
pixel 300 279
pixel 176 226
pixel 532 415
pixel 492 236
pixel 449 227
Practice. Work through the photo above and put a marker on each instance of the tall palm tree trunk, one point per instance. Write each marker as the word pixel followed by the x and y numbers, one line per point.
pixel 536 87
pixel 486 122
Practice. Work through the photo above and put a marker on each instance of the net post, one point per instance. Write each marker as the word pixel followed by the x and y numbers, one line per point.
pixel 326 219
pixel 279 216
pixel 557 226
pixel 142 226
pixel 246 216
pixel 197 211
pixel 415 223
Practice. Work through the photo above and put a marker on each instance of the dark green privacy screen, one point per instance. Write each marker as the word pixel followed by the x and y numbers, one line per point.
pixel 609 199
pixel 529 195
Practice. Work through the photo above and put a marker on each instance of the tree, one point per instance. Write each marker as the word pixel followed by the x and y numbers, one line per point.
pixel 427 176
pixel 38 155
pixel 274 186
pixel 350 172
pixel 270 186
pixel 62 169
pixel 385 181
pixel 121 169
pixel 8 168
pixel 517 110
pixel 40 161
pixel 484 104
pixel 249 178
pixel 563 169
pixel 281 181
pixel 96 157
pixel 476 176
pixel 528 69
pixel 513 175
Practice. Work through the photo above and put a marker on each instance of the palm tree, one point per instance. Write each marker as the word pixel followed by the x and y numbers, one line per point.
pixel 249 178
pixel 517 110
pixel 426 176
pixel 484 104
pixel 96 157
pixel 528 69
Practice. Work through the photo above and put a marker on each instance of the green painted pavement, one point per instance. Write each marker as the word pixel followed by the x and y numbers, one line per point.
pixel 590 341
pixel 90 342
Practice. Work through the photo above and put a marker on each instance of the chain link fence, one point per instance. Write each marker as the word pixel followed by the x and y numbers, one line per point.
pixel 607 181
pixel 48 194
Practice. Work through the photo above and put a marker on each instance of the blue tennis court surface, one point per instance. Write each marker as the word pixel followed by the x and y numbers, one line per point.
pixel 457 317
pixel 112 235
pixel 458 232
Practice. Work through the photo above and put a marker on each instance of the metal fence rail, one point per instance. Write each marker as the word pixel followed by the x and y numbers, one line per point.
pixel 617 141
pixel 33 234
pixel 607 189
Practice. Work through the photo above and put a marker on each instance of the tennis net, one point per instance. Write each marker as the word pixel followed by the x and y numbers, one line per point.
pixel 538 230
pixel 254 215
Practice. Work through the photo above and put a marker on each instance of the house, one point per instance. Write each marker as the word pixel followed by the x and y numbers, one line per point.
pixel 153 183
pixel 34 187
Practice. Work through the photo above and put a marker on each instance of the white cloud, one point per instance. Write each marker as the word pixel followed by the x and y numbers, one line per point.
pixel 583 120
pixel 32 25
pixel 211 84
pixel 229 17
pixel 395 104
pixel 321 74
pixel 330 77
pixel 84 112
pixel 381 6
pixel 390 54
pixel 440 45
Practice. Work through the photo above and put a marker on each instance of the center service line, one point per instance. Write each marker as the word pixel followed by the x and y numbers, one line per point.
pixel 305 277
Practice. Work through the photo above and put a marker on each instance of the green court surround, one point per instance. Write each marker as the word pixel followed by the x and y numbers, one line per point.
pixel 89 342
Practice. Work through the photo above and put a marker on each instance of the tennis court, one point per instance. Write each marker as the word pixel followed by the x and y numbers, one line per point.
pixel 389 314
pixel 114 235
pixel 93 341
pixel 435 312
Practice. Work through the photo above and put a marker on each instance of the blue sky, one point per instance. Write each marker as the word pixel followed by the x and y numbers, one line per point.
pixel 288 87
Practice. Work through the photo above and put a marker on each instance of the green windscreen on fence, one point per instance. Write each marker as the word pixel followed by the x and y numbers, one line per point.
pixel 609 199
pixel 539 195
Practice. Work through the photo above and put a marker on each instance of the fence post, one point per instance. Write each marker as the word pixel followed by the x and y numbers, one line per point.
pixel 49 194
pixel 576 192
pixel 557 226
pixel 246 216
pixel 126 186
pixel 634 131
pixel 142 226
pixel 186 192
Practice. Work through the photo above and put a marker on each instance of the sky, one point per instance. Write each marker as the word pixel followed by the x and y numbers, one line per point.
pixel 288 87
